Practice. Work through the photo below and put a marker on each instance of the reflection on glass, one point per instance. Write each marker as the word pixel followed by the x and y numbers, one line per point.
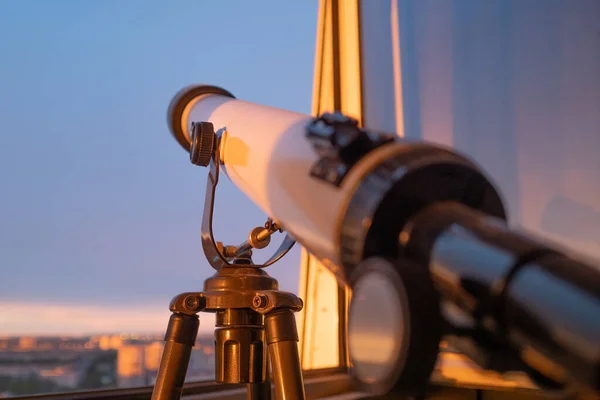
pixel 375 327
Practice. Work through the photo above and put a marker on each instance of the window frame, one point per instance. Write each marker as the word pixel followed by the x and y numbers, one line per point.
pixel 337 86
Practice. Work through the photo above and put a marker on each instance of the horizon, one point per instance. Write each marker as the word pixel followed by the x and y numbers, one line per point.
pixel 103 320
pixel 85 335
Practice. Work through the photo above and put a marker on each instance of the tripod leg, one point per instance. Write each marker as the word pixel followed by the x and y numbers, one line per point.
pixel 282 339
pixel 261 390
pixel 179 340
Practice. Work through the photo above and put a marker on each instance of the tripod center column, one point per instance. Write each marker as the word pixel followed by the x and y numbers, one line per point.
pixel 239 345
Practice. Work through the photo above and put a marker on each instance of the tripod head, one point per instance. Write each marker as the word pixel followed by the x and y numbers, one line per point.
pixel 204 151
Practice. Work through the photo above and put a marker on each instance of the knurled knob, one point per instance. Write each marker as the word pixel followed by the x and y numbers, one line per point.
pixel 203 143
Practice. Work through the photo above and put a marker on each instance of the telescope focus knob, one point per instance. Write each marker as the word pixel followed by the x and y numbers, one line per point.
pixel 202 144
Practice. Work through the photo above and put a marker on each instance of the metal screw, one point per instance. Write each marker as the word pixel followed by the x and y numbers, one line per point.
pixel 191 302
pixel 260 301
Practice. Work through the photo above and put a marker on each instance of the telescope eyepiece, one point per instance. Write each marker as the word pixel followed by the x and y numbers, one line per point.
pixel 177 107
pixel 203 143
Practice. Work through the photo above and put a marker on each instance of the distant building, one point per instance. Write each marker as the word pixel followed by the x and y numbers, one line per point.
pixel 153 354
pixel 63 376
pixel 131 365
pixel 130 360
pixel 201 366
pixel 110 342
pixel 27 343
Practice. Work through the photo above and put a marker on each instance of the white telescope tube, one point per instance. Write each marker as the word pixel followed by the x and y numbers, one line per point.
pixel 266 153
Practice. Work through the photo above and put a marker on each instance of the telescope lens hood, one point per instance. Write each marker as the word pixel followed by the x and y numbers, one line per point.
pixel 178 105
pixel 417 176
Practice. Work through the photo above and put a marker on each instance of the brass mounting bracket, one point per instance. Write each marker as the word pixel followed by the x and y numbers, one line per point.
pixel 215 252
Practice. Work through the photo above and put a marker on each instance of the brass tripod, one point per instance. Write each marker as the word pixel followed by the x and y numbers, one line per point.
pixel 252 314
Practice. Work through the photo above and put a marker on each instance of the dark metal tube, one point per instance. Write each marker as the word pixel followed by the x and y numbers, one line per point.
pixel 553 310
pixel 282 339
pixel 545 305
pixel 180 338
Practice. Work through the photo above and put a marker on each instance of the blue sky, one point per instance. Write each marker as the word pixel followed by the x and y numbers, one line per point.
pixel 99 206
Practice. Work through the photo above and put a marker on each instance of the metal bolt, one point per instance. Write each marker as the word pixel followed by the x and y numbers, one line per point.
pixel 259 238
pixel 230 251
pixel 191 303
pixel 226 251
pixel 260 301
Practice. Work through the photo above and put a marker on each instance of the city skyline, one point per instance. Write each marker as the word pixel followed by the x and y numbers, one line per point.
pixel 33 364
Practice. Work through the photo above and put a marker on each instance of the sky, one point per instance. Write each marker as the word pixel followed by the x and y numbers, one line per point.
pixel 100 208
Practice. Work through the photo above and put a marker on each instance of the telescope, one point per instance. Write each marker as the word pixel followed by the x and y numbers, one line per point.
pixel 417 231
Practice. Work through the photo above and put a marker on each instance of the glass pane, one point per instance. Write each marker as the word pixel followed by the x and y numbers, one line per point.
pixel 320 321
pixel 514 85
pixel 100 208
